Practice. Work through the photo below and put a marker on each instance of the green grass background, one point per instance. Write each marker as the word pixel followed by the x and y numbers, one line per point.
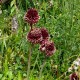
pixel 61 18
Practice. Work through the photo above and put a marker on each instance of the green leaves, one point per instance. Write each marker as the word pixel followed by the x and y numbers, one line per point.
pixel 13 7
pixel 19 75
pixel 12 3
pixel 60 17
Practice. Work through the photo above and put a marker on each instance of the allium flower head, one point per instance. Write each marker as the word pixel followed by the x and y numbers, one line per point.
pixel 74 76
pixel 50 48
pixel 47 47
pixel 45 33
pixel 34 36
pixel 42 46
pixel 31 16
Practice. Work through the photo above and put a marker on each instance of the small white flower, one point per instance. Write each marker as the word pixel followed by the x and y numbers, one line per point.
pixel 51 2
pixel 75 67
pixel 70 69
pixel 76 62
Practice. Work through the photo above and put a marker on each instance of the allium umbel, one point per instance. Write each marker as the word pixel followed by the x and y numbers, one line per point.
pixel 47 47
pixel 34 36
pixel 74 76
pixel 45 33
pixel 39 35
pixel 42 46
pixel 31 16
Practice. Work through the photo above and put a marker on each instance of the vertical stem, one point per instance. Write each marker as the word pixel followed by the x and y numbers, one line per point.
pixel 35 63
pixel 29 62
pixel 31 26
pixel 42 66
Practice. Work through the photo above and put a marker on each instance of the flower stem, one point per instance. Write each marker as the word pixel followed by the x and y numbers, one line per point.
pixel 29 62
pixel 36 61
pixel 42 66
pixel 31 26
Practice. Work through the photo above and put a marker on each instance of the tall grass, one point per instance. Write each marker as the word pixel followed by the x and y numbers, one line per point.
pixel 61 18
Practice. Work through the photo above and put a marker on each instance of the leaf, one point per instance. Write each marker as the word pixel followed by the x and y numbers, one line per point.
pixel 1 76
pixel 12 3
pixel 13 9
pixel 19 75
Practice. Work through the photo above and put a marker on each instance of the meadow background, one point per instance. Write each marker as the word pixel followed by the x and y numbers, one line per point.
pixel 60 17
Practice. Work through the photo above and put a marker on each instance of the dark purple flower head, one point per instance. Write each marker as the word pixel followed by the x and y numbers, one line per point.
pixel 34 36
pixel 50 48
pixel 74 76
pixel 45 33
pixel 47 47
pixel 31 16
pixel 42 46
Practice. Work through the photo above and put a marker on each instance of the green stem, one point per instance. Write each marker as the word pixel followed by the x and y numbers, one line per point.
pixel 36 61
pixel 62 76
pixel 42 66
pixel 29 62
pixel 31 25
